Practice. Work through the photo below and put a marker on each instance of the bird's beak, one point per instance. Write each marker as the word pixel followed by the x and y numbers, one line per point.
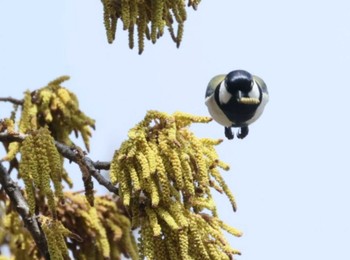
pixel 239 95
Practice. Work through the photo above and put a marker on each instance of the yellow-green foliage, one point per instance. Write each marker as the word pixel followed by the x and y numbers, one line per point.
pixel 150 17
pixel 13 147
pixel 39 166
pixel 55 234
pixel 100 232
pixel 165 176
pixel 57 108
pixel 16 236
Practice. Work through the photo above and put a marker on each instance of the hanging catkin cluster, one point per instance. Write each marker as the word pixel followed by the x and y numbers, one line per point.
pixel 57 108
pixel 15 236
pixel 148 17
pixel 40 165
pixel 165 177
pixel 100 232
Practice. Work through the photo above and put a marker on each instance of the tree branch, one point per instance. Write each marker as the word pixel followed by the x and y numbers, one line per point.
pixel 72 154
pixel 13 137
pixel 12 100
pixel 102 165
pixel 30 221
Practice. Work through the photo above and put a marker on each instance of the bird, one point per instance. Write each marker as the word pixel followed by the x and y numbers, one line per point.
pixel 236 99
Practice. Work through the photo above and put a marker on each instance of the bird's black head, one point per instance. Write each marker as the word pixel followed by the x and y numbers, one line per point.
pixel 238 80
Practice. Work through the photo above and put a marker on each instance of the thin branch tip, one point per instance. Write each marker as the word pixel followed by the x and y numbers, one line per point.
pixel 12 100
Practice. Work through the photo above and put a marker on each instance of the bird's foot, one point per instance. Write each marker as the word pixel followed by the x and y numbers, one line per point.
pixel 228 133
pixel 243 132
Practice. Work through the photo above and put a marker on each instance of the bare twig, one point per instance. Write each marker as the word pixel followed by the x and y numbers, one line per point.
pixel 12 100
pixel 30 221
pixel 6 137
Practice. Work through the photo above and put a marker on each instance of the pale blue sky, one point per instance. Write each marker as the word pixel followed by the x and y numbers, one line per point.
pixel 290 176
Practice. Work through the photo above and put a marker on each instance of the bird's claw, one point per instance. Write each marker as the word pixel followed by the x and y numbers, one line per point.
pixel 243 132
pixel 228 133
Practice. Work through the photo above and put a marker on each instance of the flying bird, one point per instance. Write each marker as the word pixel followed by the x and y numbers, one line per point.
pixel 236 99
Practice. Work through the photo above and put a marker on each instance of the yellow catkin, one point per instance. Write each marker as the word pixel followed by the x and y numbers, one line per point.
pixel 165 215
pixel 176 166
pixel 142 160
pixel 207 203
pixel 202 169
pixel 9 125
pixel 45 98
pixel 223 165
pixel 13 149
pixel 183 243
pixel 181 9
pixel 125 13
pixel 62 108
pixel 171 129
pixel 163 142
pixel 110 19
pixel 214 252
pixel 102 236
pixel 163 180
pixel 116 230
pixel 161 252
pixel 133 11
pixel 157 10
pixel 128 239
pixel 186 119
pixel 230 229
pixel 50 235
pixel 176 14
pixel 55 161
pixel 133 176
pixel 85 134
pixel 216 174
pixel 141 28
pixel 58 81
pixel 148 249
pixel 176 210
pixel 125 187
pixel 195 237
pixel 67 179
pixel 180 31
pixel 187 175
pixel 59 233
pixel 28 170
pixel 151 158
pixel 155 197
pixel 115 168
pixel 44 171
pixel 131 36
pixel 64 95
pixel 171 243
pixel 153 221
pixel 194 3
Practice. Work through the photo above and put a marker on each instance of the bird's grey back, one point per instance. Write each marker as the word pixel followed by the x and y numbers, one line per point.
pixel 213 83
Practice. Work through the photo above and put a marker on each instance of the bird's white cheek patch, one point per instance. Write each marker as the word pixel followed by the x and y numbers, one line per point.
pixel 224 95
pixel 254 93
